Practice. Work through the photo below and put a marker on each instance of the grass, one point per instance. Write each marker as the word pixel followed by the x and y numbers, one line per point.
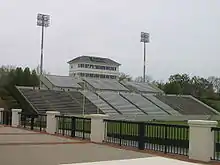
pixel 152 130
pixel 66 124
pixel 212 103
pixel 131 129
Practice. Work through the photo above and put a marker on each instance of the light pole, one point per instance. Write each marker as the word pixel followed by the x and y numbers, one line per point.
pixel 144 39
pixel 43 20
pixel 84 99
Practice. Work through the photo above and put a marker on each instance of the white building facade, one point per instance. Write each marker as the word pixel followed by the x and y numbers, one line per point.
pixel 93 67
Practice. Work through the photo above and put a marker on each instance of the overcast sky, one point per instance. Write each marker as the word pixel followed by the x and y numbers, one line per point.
pixel 184 34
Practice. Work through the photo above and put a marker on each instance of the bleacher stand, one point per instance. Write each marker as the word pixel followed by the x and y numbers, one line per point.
pixel 142 87
pixel 186 105
pixel 50 100
pixel 64 81
pixel 161 104
pixel 100 103
pixel 99 84
pixel 119 103
pixel 75 96
pixel 144 104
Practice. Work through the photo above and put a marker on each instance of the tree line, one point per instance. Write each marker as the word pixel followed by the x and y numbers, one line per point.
pixel 10 76
pixel 183 84
pixel 179 84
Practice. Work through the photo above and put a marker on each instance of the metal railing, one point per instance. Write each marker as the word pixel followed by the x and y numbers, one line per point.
pixel 159 137
pixel 5 117
pixel 74 126
pixel 33 121
pixel 216 155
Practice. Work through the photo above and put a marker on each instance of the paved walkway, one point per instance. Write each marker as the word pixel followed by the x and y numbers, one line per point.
pixel 139 161
pixel 21 147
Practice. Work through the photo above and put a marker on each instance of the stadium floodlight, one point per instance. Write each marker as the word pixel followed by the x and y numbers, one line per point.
pixel 43 20
pixel 145 39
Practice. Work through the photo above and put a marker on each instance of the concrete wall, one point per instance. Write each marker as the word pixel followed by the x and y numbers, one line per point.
pixel 165 118
pixel 46 82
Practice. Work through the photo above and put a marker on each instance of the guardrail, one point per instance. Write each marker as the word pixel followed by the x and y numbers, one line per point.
pixel 159 137
pixel 33 121
pixel 6 117
pixel 74 126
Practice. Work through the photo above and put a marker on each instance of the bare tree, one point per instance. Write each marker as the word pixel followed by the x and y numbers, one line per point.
pixel 215 81
pixel 124 76
pixel 38 71
pixel 140 79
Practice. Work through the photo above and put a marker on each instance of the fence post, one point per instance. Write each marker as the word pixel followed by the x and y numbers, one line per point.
pixel 165 137
pixel 25 119
pixel 63 125
pixel 83 124
pixel 73 127
pixel 97 127
pixel 120 132
pixel 141 135
pixel 15 117
pixel 32 122
pixel 1 115
pixel 40 124
pixel 51 121
pixel 201 139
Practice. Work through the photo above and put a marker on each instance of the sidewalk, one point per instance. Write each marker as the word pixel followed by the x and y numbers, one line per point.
pixel 22 147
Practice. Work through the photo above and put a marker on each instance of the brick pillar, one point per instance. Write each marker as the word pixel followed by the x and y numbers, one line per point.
pixel 51 121
pixel 1 115
pixel 201 139
pixel 97 127
pixel 15 117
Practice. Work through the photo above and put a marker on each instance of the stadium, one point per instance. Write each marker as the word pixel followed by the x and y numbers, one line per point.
pixel 93 87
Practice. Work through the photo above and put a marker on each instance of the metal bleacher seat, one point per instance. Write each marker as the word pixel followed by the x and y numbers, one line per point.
pixel 89 107
pixel 142 87
pixel 186 105
pixel 101 104
pixel 119 103
pixel 64 81
pixel 161 104
pixel 144 104
pixel 35 99
pixel 105 84
pixel 49 100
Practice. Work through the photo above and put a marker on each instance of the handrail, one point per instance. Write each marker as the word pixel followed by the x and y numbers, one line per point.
pixel 132 103
pixel 108 103
pixel 155 104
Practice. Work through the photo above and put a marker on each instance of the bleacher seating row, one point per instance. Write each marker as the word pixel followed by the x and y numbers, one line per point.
pixel 99 84
pixel 160 104
pixel 63 81
pixel 51 100
pixel 142 87
pixel 113 103
pixel 100 103
pixel 144 104
pixel 119 103
pixel 186 105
